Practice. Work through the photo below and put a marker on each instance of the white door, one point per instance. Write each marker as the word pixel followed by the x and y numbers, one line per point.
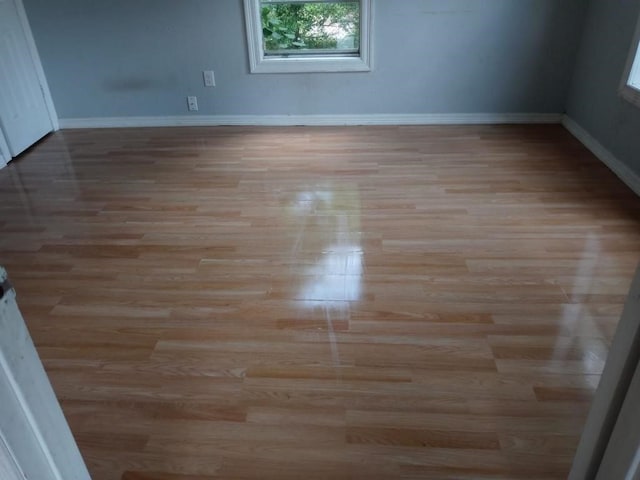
pixel 9 468
pixel 35 440
pixel 622 457
pixel 610 445
pixel 24 117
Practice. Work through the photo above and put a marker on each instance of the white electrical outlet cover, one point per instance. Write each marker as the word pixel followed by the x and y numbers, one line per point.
pixel 209 78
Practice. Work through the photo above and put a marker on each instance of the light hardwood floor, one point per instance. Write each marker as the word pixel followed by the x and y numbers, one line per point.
pixel 320 303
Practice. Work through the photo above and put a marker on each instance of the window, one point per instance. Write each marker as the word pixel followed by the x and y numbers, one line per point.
pixel 295 36
pixel 630 88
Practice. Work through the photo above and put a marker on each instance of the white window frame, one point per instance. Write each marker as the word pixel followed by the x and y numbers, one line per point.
pixel 632 70
pixel 259 63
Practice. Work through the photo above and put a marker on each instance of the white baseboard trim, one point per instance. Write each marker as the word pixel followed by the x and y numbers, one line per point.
pixel 312 120
pixel 623 172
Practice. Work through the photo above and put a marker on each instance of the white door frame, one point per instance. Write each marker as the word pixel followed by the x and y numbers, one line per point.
pixel 5 154
pixel 32 424
pixel 9 468
pixel 622 457
pixel 42 79
pixel 622 362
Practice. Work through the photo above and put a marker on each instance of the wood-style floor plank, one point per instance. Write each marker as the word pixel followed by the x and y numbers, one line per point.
pixel 344 303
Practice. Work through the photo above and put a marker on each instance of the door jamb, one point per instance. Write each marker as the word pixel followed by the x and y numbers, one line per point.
pixel 623 358
pixel 5 153
pixel 35 56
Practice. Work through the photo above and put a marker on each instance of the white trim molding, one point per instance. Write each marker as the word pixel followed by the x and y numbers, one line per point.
pixel 312 120
pixel 8 464
pixel 32 423
pixel 630 84
pixel 42 79
pixel 611 395
pixel 5 153
pixel 628 176
pixel 630 94
pixel 260 63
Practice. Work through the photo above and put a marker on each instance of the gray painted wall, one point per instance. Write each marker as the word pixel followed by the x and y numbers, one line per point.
pixel 593 101
pixel 143 57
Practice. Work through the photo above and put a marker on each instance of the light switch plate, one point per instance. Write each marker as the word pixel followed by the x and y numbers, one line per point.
pixel 209 78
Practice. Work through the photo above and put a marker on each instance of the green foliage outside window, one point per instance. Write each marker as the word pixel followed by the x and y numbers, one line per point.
pixel 303 26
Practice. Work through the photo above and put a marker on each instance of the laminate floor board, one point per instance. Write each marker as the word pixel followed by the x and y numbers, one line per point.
pixel 408 302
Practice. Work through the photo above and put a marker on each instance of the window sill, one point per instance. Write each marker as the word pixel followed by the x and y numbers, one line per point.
pixel 630 94
pixel 309 65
